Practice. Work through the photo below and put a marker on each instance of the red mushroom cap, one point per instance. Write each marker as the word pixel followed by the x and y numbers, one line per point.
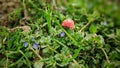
pixel 68 23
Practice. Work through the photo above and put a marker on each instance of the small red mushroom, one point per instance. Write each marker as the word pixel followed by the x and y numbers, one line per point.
pixel 68 23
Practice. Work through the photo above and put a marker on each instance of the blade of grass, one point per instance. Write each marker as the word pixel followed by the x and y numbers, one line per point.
pixel 48 18
pixel 6 65
pixel 36 53
pixel 25 58
pixel 107 58
pixel 17 62
pixel 35 7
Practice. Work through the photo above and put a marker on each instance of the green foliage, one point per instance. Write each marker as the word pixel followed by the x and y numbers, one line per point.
pixel 15 16
pixel 98 45
pixel 38 64
pixel 93 29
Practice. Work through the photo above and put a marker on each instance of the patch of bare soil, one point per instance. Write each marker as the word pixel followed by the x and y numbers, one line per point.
pixel 7 6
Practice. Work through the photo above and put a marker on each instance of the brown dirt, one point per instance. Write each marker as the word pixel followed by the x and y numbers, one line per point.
pixel 7 6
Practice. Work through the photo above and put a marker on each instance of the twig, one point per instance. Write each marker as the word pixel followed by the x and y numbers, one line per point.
pixel 52 49
pixel 105 55
pixel 54 4
pixel 6 65
pixel 36 53
pixel 74 61
pixel 84 27
pixel 25 11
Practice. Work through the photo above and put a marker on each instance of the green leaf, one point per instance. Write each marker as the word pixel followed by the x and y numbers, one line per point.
pixel 118 32
pixel 38 64
pixel 93 29
pixel 29 54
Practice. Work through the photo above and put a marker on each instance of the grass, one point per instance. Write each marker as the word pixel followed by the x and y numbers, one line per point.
pixel 93 43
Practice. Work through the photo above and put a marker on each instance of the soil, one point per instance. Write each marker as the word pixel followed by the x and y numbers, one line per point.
pixel 6 7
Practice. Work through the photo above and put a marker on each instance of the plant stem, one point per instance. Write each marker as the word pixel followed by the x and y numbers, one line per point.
pixel 54 4
pixel 25 11
pixel 52 49
pixel 105 55
pixel 25 58
pixel 36 53
pixel 6 65
pixel 74 61
pixel 84 27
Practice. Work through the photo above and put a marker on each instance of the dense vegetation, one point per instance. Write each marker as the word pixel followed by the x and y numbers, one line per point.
pixel 37 38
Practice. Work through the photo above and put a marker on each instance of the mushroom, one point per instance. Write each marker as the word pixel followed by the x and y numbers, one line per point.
pixel 68 23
